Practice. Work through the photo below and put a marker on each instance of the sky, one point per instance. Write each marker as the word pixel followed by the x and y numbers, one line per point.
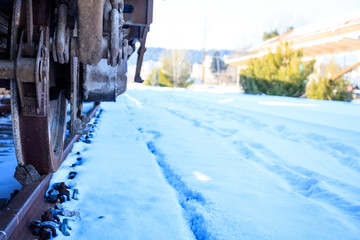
pixel 233 24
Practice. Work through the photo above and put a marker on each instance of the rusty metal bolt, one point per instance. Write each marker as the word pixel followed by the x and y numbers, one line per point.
pixel 34 227
pixel 63 192
pixel 64 227
pixel 75 194
pixel 52 195
pixel 48 216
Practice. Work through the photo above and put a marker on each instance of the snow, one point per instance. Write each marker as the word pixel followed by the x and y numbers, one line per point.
pixel 7 159
pixel 187 164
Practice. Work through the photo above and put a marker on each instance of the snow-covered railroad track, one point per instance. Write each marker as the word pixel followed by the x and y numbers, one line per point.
pixel 265 167
pixel 29 203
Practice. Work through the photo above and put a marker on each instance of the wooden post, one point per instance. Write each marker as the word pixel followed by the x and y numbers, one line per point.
pixel 346 70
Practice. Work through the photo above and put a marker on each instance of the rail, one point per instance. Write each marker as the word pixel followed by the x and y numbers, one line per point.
pixel 29 203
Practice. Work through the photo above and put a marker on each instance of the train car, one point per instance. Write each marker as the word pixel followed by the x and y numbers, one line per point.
pixel 59 52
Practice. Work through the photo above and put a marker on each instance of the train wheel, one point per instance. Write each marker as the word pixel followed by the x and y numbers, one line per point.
pixel 38 140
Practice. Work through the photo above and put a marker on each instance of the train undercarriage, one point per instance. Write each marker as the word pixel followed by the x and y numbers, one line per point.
pixel 60 52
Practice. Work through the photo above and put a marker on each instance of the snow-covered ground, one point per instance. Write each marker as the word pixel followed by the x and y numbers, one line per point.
pixel 7 159
pixel 180 164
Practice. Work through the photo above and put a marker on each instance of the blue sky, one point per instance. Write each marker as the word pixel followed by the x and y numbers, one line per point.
pixel 233 24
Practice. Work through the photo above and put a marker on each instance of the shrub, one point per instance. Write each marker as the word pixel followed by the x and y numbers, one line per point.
pixel 321 87
pixel 280 73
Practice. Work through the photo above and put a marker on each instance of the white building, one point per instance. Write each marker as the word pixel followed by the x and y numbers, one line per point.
pixel 226 77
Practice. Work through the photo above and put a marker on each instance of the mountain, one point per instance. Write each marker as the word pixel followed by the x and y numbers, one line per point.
pixel 195 56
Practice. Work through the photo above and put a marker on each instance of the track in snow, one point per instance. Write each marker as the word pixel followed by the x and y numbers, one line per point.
pixel 252 134
pixel 188 165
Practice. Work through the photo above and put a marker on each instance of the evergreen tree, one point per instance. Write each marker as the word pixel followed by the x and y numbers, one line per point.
pixel 289 28
pixel 280 73
pixel 217 63
pixel 271 34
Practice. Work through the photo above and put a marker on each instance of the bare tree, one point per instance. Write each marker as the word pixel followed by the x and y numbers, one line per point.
pixel 176 66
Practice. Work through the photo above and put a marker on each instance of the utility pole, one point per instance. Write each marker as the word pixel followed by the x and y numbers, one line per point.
pixel 203 57
pixel 218 67
pixel 203 68
pixel 175 68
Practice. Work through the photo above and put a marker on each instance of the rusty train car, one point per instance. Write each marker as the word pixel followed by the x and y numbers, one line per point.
pixel 59 52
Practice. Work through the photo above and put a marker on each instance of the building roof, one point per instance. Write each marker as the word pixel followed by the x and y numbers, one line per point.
pixel 330 36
